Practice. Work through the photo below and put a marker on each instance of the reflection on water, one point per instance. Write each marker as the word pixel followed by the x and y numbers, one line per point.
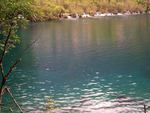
pixel 82 64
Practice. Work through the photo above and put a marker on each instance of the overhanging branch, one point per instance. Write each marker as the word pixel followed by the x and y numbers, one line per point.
pixel 29 45
pixel 12 68
pixel 4 51
pixel 6 43
pixel 2 70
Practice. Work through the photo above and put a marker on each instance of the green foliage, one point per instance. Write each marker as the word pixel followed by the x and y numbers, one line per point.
pixel 92 13
pixel 49 105
pixel 12 13
pixel 57 7
pixel 58 10
pixel 140 2
pixel 65 15
pixel 80 12
pixel 120 7
pixel 132 7
pixel 66 5
pixel 145 4
pixel 73 14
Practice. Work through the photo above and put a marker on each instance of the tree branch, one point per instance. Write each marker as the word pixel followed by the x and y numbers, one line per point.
pixel 6 43
pixel 30 45
pixel 4 51
pixel 4 90
pixel 2 70
pixel 12 68
pixel 14 99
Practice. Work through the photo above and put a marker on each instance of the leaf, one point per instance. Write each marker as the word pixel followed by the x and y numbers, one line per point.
pixel 9 20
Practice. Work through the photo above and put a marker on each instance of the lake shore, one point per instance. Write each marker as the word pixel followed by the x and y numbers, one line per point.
pixel 102 15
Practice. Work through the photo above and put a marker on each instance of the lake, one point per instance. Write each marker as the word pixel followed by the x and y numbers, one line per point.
pixel 91 65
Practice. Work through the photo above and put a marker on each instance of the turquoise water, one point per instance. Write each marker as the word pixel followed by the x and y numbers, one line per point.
pixel 85 65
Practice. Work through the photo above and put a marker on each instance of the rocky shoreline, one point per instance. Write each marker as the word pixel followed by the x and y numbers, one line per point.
pixel 101 15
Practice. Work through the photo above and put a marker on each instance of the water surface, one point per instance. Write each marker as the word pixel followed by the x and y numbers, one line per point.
pixel 85 65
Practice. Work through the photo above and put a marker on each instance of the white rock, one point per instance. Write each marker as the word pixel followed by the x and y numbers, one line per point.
pixel 103 14
pixel 119 14
pixel 96 15
pixel 109 14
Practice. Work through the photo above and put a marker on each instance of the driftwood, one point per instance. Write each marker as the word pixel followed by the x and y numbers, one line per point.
pixel 7 90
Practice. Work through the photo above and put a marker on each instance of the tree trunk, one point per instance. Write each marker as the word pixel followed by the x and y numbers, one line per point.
pixel 1 65
pixel 1 92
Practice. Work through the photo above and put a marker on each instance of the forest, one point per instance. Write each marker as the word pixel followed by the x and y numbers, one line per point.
pixel 52 9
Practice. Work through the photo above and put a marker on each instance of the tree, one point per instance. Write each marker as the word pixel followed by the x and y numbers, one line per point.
pixel 58 10
pixel 12 14
pixel 144 3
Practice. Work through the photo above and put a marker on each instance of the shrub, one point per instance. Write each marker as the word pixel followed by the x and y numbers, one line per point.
pixel 114 11
pixel 132 6
pixel 80 12
pixel 91 8
pixel 72 7
pixel 120 7
pixel 103 11
pixel 73 14
pixel 67 11
pixel 84 7
pixel 65 15
pixel 112 8
pixel 58 10
pixel 92 13
pixel 66 5
pixel 50 16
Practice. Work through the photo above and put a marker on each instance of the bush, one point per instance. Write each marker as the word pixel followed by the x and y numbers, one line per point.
pixel 72 7
pixel 112 8
pixel 73 14
pixel 50 16
pixel 58 10
pixel 66 11
pixel 66 5
pixel 103 11
pixel 120 7
pixel 114 11
pixel 80 12
pixel 84 7
pixel 65 15
pixel 92 13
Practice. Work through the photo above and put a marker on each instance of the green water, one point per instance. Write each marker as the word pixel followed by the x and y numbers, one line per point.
pixel 83 64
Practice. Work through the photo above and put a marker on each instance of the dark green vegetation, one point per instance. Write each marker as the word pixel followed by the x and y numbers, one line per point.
pixel 52 9
pixel 12 13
